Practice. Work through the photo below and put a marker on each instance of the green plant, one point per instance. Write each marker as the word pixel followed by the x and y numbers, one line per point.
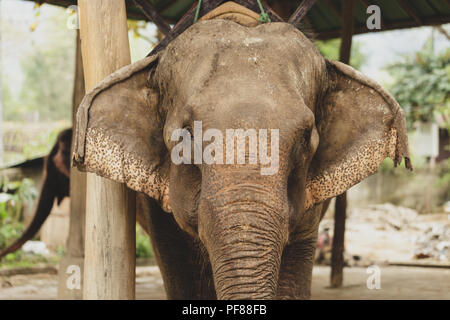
pixel 13 197
pixel 422 84
pixel 143 246
pixel 330 50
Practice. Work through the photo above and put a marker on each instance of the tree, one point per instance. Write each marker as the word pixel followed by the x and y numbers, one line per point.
pixel 330 50
pixel 422 83
pixel 48 73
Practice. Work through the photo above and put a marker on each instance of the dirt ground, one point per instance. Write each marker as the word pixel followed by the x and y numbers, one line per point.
pixel 380 235
pixel 396 283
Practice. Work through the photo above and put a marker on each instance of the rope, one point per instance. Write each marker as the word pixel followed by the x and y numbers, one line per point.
pixel 263 18
pixel 199 4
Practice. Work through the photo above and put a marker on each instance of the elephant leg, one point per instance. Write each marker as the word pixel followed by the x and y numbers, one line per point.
pixel 294 281
pixel 183 262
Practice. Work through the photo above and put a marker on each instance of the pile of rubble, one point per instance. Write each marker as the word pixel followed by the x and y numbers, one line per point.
pixel 434 243
pixel 387 216
pixel 410 234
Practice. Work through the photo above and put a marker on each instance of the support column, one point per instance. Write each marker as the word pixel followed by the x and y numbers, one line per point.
pixel 71 266
pixel 340 212
pixel 110 245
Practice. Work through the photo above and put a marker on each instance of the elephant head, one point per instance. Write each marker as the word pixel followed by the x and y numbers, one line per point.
pixel 55 186
pixel 335 126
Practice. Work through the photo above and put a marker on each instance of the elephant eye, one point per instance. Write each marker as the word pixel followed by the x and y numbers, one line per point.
pixel 307 136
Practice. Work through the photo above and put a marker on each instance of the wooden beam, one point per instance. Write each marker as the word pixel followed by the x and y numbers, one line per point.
pixel 432 6
pixel 75 241
pixel 337 252
pixel 282 8
pixel 348 9
pixel 443 31
pixel 153 15
pixel 408 10
pixel 110 245
pixel 301 11
pixel 361 29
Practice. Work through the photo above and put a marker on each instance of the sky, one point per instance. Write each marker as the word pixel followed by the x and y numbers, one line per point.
pixel 381 48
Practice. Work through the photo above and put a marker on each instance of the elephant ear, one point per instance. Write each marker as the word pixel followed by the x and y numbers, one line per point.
pixel 360 124
pixel 119 132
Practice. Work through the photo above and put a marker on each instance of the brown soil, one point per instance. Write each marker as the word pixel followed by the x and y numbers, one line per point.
pixel 396 283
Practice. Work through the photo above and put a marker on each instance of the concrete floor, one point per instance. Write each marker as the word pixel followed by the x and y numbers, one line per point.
pixel 396 283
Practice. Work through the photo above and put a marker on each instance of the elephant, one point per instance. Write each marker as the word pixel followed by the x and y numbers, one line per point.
pixel 220 229
pixel 55 186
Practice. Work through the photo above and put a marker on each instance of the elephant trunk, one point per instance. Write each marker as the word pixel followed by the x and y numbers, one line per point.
pixel 244 237
pixel 55 186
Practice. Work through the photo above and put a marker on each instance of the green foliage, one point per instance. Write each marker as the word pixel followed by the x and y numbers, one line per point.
pixel 13 197
pixel 47 69
pixel 143 246
pixel 330 50
pixel 422 84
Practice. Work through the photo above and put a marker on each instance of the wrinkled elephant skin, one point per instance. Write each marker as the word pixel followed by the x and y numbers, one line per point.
pixel 225 230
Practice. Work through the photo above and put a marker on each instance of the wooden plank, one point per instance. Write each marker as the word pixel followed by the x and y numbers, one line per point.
pixel 110 246
pixel 153 15
pixel 301 11
pixel 348 10
pixel 75 241
pixel 337 251
pixel 282 8
pixel 7 272
pixel 421 263
pixel 75 245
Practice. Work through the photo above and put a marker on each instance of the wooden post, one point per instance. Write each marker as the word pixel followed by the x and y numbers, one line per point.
pixel 340 212
pixel 74 256
pixel 110 245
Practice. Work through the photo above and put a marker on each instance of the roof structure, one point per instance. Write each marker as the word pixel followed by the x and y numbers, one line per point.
pixel 324 17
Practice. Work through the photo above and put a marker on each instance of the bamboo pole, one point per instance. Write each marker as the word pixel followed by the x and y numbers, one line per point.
pixel 110 247
pixel 340 212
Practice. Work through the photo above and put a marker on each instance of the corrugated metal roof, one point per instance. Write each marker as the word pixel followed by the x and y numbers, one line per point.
pixel 324 17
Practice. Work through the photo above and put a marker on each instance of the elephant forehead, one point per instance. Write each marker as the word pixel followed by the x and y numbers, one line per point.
pixel 221 38
pixel 222 56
